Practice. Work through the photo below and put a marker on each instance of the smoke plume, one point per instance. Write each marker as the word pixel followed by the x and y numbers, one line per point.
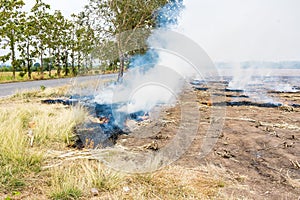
pixel 154 78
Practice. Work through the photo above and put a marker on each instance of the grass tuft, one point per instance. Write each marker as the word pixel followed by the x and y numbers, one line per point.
pixel 49 125
pixel 66 194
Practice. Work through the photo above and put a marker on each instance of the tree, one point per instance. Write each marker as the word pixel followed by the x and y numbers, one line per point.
pixel 48 62
pixel 58 39
pixel 73 43
pixel 10 28
pixel 41 22
pixel 83 40
pixel 51 35
pixel 113 17
pixel 88 38
pixel 26 42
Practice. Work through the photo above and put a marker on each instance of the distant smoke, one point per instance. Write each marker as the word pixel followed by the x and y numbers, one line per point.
pixel 286 87
pixel 257 78
pixel 241 77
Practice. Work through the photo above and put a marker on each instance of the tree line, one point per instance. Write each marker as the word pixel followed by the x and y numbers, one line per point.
pixel 68 45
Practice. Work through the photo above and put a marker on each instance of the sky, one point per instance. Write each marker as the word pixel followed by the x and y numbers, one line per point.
pixel 243 30
pixel 67 7
pixel 232 30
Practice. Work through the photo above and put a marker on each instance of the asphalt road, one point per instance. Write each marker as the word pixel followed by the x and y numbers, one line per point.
pixel 8 89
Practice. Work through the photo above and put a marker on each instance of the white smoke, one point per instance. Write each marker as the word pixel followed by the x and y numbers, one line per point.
pixel 241 77
pixel 146 85
pixel 285 87
pixel 142 90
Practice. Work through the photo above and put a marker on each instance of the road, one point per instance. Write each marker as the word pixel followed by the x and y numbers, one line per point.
pixel 8 89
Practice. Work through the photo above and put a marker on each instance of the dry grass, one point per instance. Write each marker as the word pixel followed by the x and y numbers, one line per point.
pixel 31 95
pixel 52 127
pixel 23 174
pixel 76 179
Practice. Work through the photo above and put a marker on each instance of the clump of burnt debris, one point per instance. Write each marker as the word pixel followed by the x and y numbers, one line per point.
pixel 104 124
pixel 61 101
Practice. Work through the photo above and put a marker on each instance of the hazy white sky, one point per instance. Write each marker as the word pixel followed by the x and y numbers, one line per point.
pixel 66 6
pixel 239 30
pixel 232 30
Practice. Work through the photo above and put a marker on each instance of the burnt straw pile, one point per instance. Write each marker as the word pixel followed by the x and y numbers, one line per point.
pixel 104 123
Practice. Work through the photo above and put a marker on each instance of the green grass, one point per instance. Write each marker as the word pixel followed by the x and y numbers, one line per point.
pixel 66 194
pixel 6 77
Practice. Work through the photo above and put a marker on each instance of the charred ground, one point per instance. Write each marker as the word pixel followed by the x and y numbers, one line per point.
pixel 258 146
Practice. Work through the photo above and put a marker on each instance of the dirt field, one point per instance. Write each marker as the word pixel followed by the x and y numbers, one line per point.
pixel 256 154
pixel 258 145
pixel 261 146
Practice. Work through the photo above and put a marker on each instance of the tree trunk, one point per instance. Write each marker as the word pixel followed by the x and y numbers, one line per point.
pixel 58 64
pixel 66 63
pixel 28 60
pixel 91 62
pixel 42 67
pixel 79 62
pixel 73 63
pixel 86 64
pixel 121 58
pixel 121 69
pixel 50 64
pixel 13 56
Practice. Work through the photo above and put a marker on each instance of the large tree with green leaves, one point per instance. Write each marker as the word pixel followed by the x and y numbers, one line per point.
pixel 88 42
pixel 83 40
pixel 10 28
pixel 52 34
pixel 113 17
pixel 41 23
pixel 60 40
pixel 25 46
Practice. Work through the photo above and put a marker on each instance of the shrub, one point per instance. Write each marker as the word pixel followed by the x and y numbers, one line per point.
pixel 22 74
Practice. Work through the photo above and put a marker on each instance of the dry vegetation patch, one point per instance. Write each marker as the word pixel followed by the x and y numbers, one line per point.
pixel 30 130
pixel 256 156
